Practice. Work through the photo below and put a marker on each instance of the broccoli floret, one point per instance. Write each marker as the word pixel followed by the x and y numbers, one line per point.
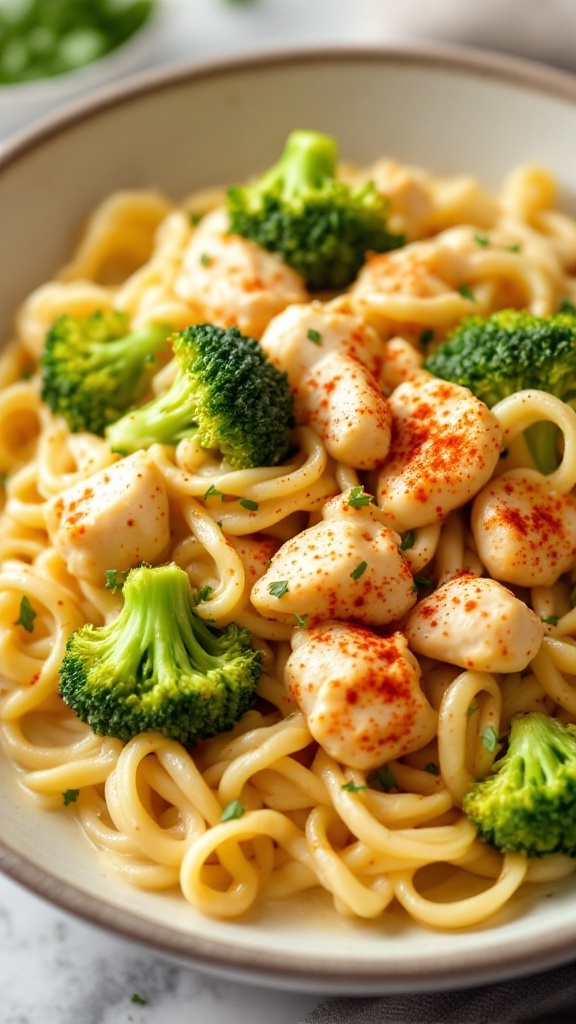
pixel 158 665
pixel 94 369
pixel 528 804
pixel 320 226
pixel 510 350
pixel 226 394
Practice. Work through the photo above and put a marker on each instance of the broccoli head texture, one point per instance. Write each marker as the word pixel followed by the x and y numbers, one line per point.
pixel 528 804
pixel 320 226
pixel 94 369
pixel 158 665
pixel 509 351
pixel 227 394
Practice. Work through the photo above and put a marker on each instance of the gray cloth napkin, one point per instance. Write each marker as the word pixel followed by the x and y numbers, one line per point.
pixel 548 998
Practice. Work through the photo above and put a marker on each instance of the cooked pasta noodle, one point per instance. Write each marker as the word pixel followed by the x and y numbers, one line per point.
pixel 313 816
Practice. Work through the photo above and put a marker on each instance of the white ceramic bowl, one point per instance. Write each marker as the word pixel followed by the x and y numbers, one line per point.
pixel 178 130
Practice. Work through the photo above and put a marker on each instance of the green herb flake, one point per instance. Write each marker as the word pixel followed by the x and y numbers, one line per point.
pixel 466 293
pixel 358 497
pixel 252 506
pixel 408 541
pixel 514 248
pixel 551 620
pixel 567 306
pixel 27 615
pixel 490 738
pixel 213 492
pixel 205 592
pixel 352 787
pixel 384 780
pixel 206 260
pixel 482 240
pixel 432 768
pixel 314 336
pixel 472 710
pixel 141 1000
pixel 233 810
pixel 301 620
pixel 359 570
pixel 278 588
pixel 69 796
pixel 115 579
pixel 420 581
pixel 426 337
pixel 194 218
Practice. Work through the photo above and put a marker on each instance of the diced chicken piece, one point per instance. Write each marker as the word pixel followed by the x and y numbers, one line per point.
pixel 333 362
pixel 445 446
pixel 114 519
pixel 525 533
pixel 255 552
pixel 346 567
pixel 347 408
pixel 401 361
pixel 476 623
pixel 297 339
pixel 233 281
pixel 360 693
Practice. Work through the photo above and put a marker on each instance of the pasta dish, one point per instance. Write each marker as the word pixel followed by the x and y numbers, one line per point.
pixel 404 571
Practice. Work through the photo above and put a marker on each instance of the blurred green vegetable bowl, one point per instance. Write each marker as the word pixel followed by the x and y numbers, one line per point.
pixel 54 50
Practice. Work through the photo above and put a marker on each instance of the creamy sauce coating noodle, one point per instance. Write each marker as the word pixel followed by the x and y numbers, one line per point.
pixel 409 630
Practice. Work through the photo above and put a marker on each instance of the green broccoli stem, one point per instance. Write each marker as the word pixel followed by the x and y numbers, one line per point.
pixel 165 419
pixel 157 622
pixel 308 159
pixel 537 747
pixel 542 440
pixel 131 350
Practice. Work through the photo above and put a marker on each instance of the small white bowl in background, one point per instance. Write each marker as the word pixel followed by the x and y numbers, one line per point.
pixel 24 102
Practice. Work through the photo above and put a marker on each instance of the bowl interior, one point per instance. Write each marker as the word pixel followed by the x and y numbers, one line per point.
pixel 185 129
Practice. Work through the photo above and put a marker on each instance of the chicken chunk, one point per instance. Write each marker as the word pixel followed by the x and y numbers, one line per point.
pixel 446 445
pixel 348 566
pixel 114 519
pixel 525 533
pixel 476 623
pixel 333 362
pixel 347 408
pixel 360 693
pixel 300 337
pixel 233 281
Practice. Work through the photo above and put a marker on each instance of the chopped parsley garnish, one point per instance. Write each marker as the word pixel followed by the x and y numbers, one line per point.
pixel 466 293
pixel 482 240
pixel 408 541
pixel 235 809
pixel 551 620
pixel 278 588
pixel 301 620
pixel 359 570
pixel 69 796
pixel 432 768
pixel 213 492
pixel 421 581
pixel 204 593
pixel 351 787
pixel 514 248
pixel 194 218
pixel 358 497
pixel 471 710
pixel 205 259
pixel 314 336
pixel 490 738
pixel 252 506
pixel 27 615
pixel 141 1000
pixel 384 780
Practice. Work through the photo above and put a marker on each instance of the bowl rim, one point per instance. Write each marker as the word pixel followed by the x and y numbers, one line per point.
pixel 217 957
